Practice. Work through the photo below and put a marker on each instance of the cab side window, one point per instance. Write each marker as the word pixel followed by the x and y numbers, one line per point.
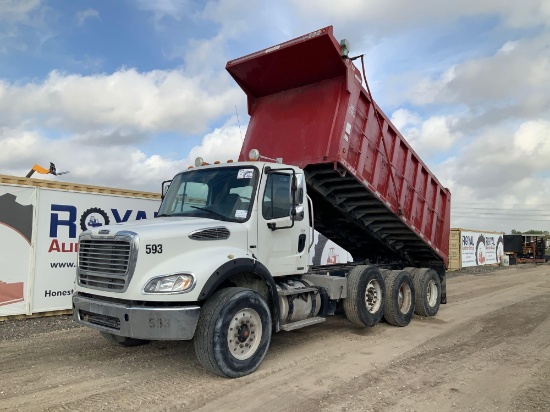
pixel 276 202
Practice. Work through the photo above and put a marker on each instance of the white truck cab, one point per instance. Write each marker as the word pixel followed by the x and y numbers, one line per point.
pixel 232 225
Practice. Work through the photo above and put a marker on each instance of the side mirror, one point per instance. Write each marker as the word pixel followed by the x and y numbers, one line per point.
pixel 165 187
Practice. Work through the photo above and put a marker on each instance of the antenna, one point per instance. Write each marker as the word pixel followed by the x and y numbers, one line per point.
pixel 239 123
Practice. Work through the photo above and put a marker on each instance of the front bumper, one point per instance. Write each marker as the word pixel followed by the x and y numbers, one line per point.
pixel 140 322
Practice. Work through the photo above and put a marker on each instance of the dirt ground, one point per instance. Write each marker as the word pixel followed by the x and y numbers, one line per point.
pixel 488 349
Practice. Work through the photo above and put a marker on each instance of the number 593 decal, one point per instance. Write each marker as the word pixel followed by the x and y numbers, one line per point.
pixel 153 249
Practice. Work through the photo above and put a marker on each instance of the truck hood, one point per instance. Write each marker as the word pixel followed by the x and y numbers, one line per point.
pixel 165 227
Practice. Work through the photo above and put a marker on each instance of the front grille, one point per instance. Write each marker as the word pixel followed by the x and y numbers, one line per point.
pixel 101 320
pixel 214 233
pixel 104 263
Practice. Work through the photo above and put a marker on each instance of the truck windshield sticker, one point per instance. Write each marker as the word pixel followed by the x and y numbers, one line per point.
pixel 245 174
pixel 240 214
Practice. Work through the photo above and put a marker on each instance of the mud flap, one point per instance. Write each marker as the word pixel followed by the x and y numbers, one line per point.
pixel 443 289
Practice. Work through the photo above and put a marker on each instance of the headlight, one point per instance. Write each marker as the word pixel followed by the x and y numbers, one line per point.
pixel 171 284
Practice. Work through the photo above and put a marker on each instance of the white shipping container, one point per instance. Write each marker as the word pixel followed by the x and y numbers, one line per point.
pixel 475 248
pixel 40 221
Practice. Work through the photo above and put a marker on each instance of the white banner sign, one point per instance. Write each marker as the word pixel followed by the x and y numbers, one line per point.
pixel 481 248
pixel 326 252
pixel 17 206
pixel 62 216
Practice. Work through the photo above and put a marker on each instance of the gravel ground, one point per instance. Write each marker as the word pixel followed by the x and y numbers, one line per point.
pixel 25 328
pixel 486 350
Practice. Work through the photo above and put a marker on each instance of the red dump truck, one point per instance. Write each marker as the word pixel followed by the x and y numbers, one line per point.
pixel 226 262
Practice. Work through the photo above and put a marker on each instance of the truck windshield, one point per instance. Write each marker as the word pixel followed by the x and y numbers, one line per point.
pixel 222 193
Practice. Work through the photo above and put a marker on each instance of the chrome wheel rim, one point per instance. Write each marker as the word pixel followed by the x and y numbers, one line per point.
pixel 244 333
pixel 404 298
pixel 432 293
pixel 373 296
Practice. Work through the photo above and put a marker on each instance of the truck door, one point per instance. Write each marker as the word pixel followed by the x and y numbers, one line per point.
pixel 284 250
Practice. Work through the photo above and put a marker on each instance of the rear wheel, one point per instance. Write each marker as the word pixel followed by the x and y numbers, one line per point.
pixel 364 304
pixel 400 298
pixel 233 333
pixel 427 286
pixel 123 340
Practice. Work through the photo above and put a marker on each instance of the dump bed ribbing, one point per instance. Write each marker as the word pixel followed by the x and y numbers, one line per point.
pixel 371 192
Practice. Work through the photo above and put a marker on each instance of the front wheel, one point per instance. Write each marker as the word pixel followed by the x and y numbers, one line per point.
pixel 233 332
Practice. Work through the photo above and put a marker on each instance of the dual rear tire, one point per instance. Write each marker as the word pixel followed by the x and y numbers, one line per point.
pixel 364 304
pixel 400 297
pixel 428 291
pixel 393 294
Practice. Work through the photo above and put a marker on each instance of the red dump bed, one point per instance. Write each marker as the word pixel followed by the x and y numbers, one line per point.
pixel 371 192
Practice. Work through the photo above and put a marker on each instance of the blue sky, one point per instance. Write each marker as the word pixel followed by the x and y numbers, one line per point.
pixel 125 93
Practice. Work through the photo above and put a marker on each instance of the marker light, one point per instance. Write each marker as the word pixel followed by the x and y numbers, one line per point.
pixel 254 154
pixel 344 48
pixel 199 161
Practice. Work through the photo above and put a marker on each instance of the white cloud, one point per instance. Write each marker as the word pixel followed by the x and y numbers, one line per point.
pixel 84 15
pixel 517 74
pixel 403 118
pixel 532 140
pixel 508 47
pixel 222 144
pixel 112 165
pixel 403 14
pixel 152 101
pixel 174 9
pixel 106 159
pixel 15 11
pixel 427 137
pixel 503 170
pixel 15 16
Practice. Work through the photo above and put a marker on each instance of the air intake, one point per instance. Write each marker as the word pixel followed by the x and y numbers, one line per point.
pixel 213 233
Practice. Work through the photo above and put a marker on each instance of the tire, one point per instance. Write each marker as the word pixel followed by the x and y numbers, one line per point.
pixel 364 304
pixel 427 290
pixel 123 341
pixel 242 312
pixel 399 297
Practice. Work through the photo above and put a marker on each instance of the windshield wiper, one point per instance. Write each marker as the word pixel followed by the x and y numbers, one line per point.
pixel 210 211
pixel 163 215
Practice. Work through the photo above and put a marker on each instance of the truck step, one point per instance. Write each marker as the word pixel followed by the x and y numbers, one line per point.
pixel 302 323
